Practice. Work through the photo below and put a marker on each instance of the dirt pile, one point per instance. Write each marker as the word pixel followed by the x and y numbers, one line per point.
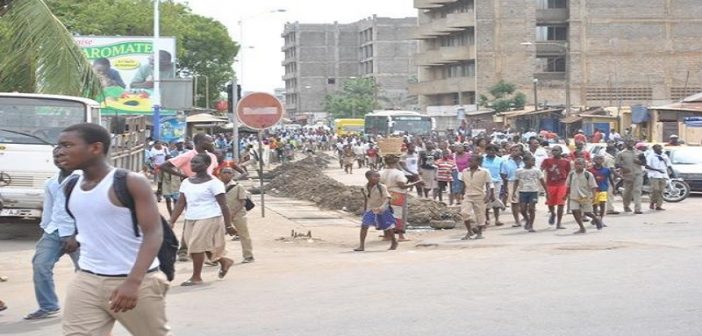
pixel 306 180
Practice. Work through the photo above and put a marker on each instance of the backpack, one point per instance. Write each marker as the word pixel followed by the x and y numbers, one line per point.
pixel 248 203
pixel 169 247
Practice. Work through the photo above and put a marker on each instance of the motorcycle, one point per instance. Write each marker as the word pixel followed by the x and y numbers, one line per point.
pixel 676 189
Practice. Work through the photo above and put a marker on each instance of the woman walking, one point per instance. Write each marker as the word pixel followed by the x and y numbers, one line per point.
pixel 207 218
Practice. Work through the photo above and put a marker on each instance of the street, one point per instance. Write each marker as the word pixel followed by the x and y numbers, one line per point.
pixel 639 276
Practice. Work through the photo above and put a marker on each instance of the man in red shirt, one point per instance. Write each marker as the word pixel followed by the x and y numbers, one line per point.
pixel 580 137
pixel 580 152
pixel 556 169
pixel 372 155
pixel 597 136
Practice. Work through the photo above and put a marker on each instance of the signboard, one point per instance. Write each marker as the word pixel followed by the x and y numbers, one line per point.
pixel 259 110
pixel 390 146
pixel 124 66
pixel 173 128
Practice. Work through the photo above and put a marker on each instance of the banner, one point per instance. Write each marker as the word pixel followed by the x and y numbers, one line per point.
pixel 173 128
pixel 125 68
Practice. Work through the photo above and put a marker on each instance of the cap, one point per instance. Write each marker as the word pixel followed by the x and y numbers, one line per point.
pixel 640 145
pixel 674 136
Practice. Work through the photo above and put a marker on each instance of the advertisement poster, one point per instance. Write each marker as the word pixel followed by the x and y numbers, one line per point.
pixel 173 128
pixel 125 68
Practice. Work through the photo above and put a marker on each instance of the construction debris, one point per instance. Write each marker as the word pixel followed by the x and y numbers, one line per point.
pixel 306 180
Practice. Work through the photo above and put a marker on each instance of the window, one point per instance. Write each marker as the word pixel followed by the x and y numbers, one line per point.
pixel 551 33
pixel 551 4
pixel 331 81
pixel 550 64
pixel 457 39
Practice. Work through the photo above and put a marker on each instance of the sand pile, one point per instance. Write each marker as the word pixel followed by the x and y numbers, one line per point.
pixel 305 180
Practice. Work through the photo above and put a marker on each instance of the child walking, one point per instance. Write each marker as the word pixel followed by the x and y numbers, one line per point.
pixel 377 211
pixel 582 190
pixel 446 166
pixel 604 178
pixel 348 157
pixel 527 185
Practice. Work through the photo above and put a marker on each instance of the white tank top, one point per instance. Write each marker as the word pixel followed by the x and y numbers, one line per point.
pixel 108 244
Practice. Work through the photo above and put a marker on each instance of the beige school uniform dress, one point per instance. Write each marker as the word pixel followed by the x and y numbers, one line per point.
pixel 204 224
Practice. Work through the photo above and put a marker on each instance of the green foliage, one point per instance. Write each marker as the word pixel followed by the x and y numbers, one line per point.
pixel 204 46
pixel 504 97
pixel 39 54
pixel 355 100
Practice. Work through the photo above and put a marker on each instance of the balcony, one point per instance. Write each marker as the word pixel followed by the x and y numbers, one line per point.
pixel 550 48
pixel 444 26
pixel 550 76
pixel 448 85
pixel 446 55
pixel 289 76
pixel 552 15
pixel 429 4
pixel 288 61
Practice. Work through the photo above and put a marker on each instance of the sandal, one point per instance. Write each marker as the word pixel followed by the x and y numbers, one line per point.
pixel 223 271
pixel 190 282
pixel 2 306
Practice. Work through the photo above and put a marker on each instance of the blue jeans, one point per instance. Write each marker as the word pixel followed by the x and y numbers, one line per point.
pixel 48 252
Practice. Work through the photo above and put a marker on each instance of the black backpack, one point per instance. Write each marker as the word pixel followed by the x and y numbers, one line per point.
pixel 248 203
pixel 169 247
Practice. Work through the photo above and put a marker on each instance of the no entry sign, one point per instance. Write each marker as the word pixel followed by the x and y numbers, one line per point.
pixel 259 110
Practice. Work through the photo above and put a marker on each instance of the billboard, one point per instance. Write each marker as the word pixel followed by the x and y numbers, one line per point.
pixel 125 68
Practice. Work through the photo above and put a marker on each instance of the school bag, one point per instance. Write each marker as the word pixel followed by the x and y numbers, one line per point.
pixel 248 203
pixel 169 247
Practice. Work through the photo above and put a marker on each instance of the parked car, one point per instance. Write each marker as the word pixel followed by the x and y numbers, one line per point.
pixel 687 164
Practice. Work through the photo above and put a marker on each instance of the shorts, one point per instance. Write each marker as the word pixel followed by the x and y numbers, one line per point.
pixel 512 194
pixel 583 204
pixel 498 188
pixel 384 221
pixel 528 197
pixel 172 196
pixel 601 197
pixel 556 194
pixel 457 186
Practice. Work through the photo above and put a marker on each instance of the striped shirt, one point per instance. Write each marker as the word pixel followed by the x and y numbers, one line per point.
pixel 444 169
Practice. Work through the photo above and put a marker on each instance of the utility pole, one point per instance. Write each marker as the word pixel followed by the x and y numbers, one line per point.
pixel 235 121
pixel 536 97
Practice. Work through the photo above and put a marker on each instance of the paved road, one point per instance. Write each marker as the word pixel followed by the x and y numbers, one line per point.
pixel 640 276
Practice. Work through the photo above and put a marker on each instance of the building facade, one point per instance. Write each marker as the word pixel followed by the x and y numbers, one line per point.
pixel 320 58
pixel 594 52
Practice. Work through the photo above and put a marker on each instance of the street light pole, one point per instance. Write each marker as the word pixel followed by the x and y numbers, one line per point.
pixel 536 97
pixel 156 96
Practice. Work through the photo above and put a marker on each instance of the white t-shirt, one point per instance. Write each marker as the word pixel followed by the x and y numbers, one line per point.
pixel 391 177
pixel 411 162
pixel 158 156
pixel 201 201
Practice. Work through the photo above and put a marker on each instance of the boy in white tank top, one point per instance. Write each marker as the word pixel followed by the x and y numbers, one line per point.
pixel 113 259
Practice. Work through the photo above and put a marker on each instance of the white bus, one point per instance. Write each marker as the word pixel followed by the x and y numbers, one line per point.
pixel 398 122
pixel 29 129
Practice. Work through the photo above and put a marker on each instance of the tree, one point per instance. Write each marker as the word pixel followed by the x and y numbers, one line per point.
pixel 204 47
pixel 39 54
pixel 504 97
pixel 356 98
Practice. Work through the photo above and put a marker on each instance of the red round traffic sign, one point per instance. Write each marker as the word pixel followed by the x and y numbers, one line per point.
pixel 259 110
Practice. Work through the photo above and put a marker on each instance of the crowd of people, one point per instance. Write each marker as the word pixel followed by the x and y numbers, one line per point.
pixel 115 254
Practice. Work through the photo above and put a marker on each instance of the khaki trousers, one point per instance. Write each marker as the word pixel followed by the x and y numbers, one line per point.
pixel 473 209
pixel 242 228
pixel 88 307
pixel 632 191
pixel 657 188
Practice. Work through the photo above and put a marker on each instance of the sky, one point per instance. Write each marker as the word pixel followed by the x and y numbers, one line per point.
pixel 262 55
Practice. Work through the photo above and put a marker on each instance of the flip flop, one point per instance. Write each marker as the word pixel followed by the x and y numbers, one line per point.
pixel 223 272
pixel 189 283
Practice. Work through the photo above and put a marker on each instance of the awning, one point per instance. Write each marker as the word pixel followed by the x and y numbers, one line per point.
pixel 204 118
pixel 571 119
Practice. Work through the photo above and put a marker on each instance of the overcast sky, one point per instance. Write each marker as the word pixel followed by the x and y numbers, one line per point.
pixel 262 63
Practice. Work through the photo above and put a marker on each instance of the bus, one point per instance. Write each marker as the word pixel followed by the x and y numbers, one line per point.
pixel 398 122
pixel 348 126
pixel 31 124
